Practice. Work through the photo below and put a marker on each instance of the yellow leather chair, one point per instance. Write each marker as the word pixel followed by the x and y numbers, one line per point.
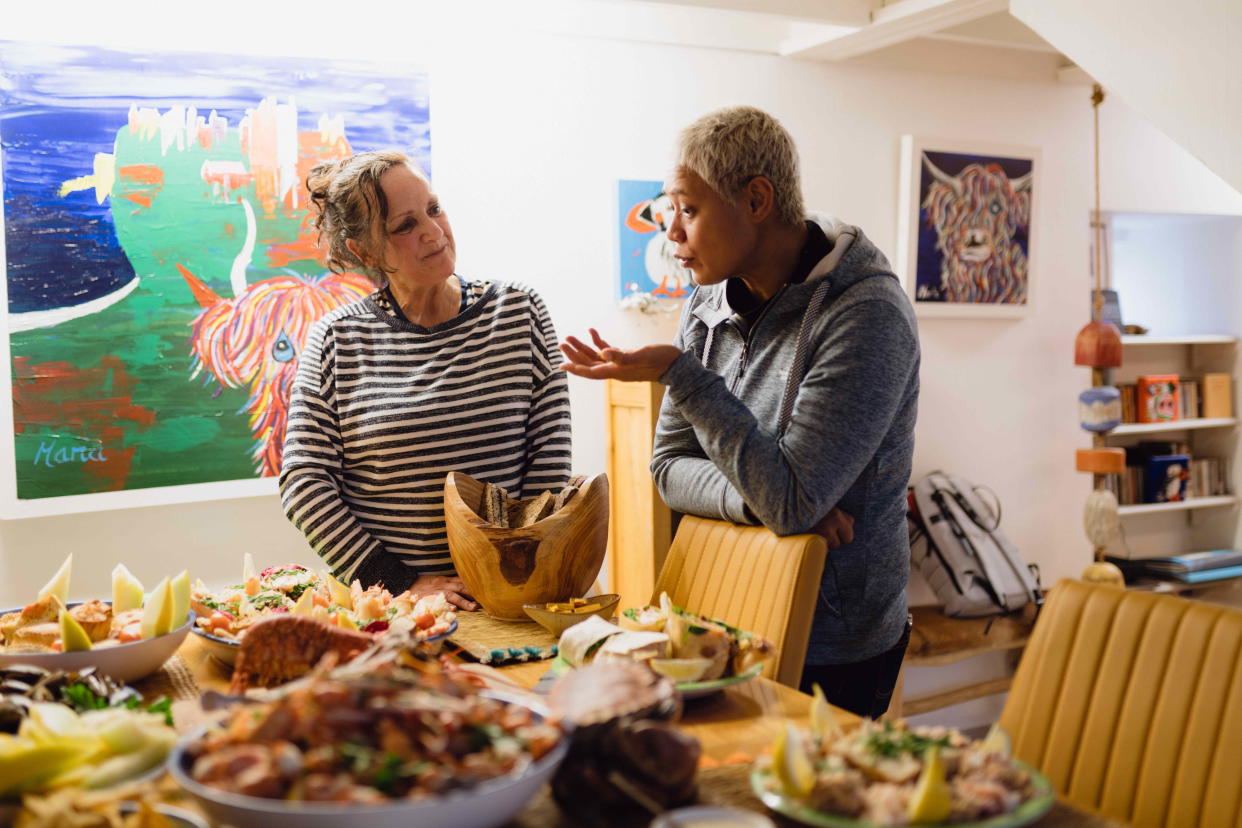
pixel 1131 704
pixel 748 577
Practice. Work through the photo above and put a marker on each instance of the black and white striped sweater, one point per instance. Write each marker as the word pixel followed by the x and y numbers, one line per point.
pixel 382 409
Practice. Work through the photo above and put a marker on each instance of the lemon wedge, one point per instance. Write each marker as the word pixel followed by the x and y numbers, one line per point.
pixel 305 604
pixel 72 636
pixel 823 723
pixel 681 669
pixel 997 741
pixel 338 592
pixel 931 801
pixel 790 764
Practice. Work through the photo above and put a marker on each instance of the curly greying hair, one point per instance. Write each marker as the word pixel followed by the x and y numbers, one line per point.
pixel 350 205
pixel 729 147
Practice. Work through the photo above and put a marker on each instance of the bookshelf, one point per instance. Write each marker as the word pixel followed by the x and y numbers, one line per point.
pixel 1177 425
pixel 1178 506
pixel 1202 522
pixel 1188 339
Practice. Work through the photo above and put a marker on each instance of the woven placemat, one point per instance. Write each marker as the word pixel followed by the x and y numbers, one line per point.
pixel 491 641
pixel 173 680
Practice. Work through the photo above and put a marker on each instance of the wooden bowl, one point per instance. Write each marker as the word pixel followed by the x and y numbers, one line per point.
pixel 553 559
pixel 557 622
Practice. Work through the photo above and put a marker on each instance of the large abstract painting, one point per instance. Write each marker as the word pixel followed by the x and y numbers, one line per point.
pixel 161 268
pixel 967 224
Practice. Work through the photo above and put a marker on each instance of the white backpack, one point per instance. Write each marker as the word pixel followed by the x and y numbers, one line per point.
pixel 956 543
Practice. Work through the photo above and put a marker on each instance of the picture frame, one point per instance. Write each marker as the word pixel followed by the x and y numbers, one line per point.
pixel 161 269
pixel 966 227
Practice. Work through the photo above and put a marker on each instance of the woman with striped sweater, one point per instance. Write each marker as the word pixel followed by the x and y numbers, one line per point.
pixel 432 373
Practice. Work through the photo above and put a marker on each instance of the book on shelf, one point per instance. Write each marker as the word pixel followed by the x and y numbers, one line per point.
pixel 1129 407
pixel 1159 400
pixel 1190 398
pixel 1217 395
pixel 1165 478
pixel 1192 567
pixel 1195 561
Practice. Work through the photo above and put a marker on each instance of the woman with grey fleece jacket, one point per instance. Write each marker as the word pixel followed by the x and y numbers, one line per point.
pixel 849 442
pixel 792 389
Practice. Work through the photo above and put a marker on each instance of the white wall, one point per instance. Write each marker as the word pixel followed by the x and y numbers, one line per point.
pixel 530 132
pixel 1165 265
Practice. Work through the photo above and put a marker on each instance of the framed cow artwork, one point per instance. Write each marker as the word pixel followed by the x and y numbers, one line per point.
pixel 965 235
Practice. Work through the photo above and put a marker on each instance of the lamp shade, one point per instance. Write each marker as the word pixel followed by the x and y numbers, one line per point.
pixel 1098 345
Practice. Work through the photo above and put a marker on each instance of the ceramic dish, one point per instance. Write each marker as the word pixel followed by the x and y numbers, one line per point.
pixel 690 690
pixel 1026 813
pixel 492 803
pixel 225 650
pixel 123 662
pixel 557 622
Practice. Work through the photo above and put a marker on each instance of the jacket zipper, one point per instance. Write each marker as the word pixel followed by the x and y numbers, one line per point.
pixel 741 364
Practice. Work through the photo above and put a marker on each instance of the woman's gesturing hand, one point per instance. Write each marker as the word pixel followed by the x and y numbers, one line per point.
pixel 452 587
pixel 606 362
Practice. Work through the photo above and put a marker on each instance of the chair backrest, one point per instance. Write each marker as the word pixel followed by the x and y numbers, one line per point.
pixel 1131 704
pixel 750 578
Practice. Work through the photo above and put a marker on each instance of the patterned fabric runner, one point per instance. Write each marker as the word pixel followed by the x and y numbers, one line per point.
pixel 491 641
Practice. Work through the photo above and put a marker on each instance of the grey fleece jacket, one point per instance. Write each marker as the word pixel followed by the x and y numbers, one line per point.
pixel 849 441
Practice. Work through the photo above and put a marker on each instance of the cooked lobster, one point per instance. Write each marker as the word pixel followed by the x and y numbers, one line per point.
pixel 283 647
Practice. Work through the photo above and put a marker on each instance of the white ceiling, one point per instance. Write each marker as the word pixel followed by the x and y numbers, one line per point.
pixel 960 36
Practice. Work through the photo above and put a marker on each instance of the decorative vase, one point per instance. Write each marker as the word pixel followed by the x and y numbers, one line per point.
pixel 553 559
pixel 1099 409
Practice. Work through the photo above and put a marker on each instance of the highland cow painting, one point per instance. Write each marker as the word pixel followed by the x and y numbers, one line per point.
pixel 161 269
pixel 966 235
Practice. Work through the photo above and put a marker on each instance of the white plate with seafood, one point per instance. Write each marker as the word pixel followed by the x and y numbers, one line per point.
pixel 226 613
pixel 264 748
pixel 699 654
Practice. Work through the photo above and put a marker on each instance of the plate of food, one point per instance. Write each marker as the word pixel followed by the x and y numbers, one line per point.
pixel 391 743
pixel 76 730
pixel 701 655
pixel 890 773
pixel 225 614
pixel 126 638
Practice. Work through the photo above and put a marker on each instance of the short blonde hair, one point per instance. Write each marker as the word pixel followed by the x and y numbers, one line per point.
pixel 729 147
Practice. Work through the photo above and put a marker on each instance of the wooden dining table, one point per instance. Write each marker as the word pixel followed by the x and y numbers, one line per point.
pixel 732 726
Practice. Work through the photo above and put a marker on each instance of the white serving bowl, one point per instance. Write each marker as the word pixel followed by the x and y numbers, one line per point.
pixel 124 662
pixel 491 803
pixel 225 650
